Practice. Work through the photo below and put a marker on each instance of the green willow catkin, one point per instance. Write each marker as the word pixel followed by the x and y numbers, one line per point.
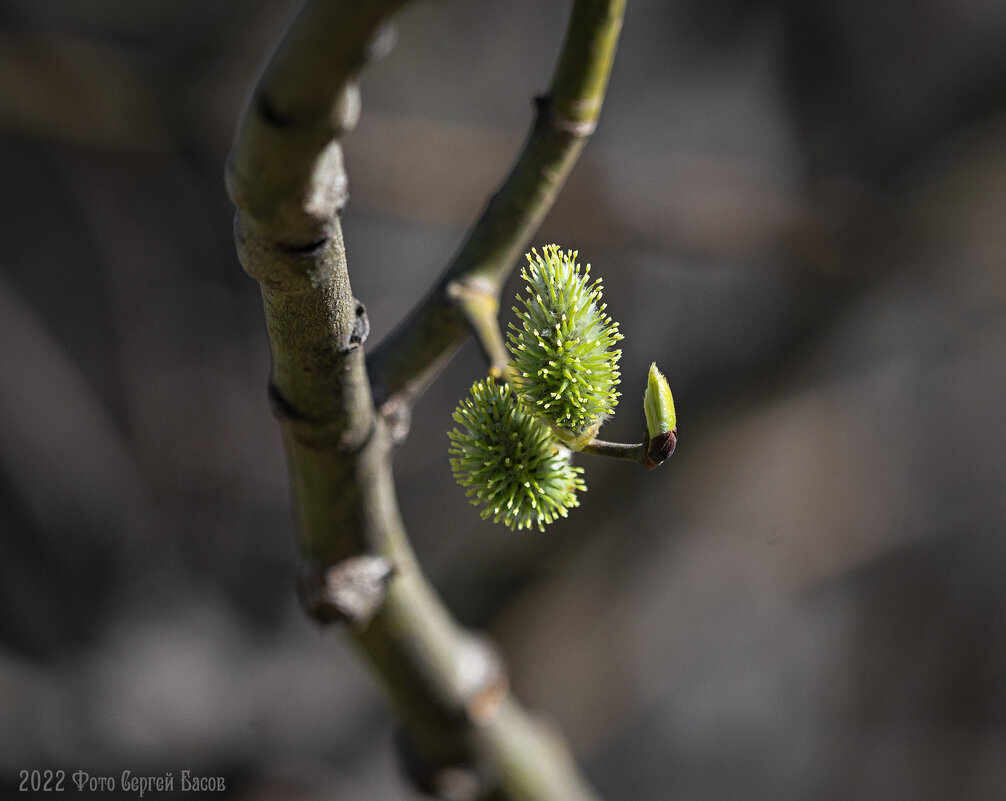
pixel 563 348
pixel 509 461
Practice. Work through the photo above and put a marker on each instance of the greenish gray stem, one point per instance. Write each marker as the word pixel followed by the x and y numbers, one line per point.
pixel 286 178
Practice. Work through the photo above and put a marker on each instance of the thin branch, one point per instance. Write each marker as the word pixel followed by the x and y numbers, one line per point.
pixel 649 453
pixel 285 176
pixel 407 361
pixel 616 450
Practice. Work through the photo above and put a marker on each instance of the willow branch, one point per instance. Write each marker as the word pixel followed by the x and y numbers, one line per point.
pixel 286 178
pixel 408 360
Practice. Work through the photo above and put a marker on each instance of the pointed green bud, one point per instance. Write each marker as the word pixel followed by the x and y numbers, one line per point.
pixel 658 403
pixel 661 420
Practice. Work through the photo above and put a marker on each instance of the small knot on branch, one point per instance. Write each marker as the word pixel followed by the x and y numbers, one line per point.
pixel 360 331
pixel 350 591
pixel 481 677
pixel 448 776
pixel 550 117
pixel 306 249
pixel 397 414
pixel 382 42
pixel 282 409
pixel 269 112
pixel 346 109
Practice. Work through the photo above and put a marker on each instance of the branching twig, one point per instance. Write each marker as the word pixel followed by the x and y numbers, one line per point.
pixel 285 176
pixel 480 307
pixel 405 363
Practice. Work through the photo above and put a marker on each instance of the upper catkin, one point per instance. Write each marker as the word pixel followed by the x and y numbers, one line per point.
pixel 563 346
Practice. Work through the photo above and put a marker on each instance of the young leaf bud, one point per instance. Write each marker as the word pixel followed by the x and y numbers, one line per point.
pixel 509 460
pixel 563 350
pixel 661 420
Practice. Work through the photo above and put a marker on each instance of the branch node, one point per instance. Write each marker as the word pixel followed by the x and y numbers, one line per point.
pixel 330 185
pixel 482 678
pixel 346 110
pixel 282 409
pixel 306 249
pixel 471 287
pixel 382 43
pixel 457 783
pixel 566 126
pixel 350 591
pixel 448 777
pixel 268 112
pixel 397 414
pixel 478 301
pixel 361 329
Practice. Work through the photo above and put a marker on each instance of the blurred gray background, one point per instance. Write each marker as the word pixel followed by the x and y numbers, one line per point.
pixel 799 210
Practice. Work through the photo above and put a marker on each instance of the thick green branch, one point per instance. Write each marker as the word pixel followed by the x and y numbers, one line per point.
pixel 285 170
pixel 286 178
pixel 404 364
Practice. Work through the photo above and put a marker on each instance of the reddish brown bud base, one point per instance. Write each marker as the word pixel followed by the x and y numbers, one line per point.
pixel 660 448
